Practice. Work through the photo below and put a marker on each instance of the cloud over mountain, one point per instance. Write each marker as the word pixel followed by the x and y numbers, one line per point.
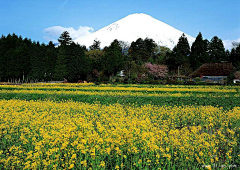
pixel 53 33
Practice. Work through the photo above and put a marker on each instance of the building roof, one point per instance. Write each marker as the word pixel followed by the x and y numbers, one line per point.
pixel 213 69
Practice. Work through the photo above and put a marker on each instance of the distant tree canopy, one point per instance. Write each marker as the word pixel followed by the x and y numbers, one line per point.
pixel 24 60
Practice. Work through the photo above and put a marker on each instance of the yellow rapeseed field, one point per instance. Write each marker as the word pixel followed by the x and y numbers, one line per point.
pixel 76 135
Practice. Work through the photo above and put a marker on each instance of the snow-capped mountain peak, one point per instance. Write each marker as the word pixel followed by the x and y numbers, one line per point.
pixel 132 27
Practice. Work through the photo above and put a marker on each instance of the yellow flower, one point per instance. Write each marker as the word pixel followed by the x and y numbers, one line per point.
pixel 74 156
pixel 201 153
pixel 71 166
pixel 108 150
pixel 208 167
pixel 84 163
pixel 64 145
pixel 102 164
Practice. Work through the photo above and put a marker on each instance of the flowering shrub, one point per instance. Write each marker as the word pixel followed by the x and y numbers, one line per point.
pixel 157 71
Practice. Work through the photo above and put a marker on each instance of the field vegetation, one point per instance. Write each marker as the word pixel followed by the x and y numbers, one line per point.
pixel 85 126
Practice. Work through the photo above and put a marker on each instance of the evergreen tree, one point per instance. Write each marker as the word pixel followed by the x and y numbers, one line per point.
pixel 14 57
pixel 113 59
pixel 174 59
pixel 142 50
pixel 78 65
pixel 235 56
pixel 61 72
pixel 179 56
pixel 199 52
pixel 95 57
pixel 183 46
pixel 96 45
pixel 37 62
pixel 216 50
pixel 50 59
pixel 65 38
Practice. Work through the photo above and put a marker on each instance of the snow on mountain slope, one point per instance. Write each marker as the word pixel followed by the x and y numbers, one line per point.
pixel 135 26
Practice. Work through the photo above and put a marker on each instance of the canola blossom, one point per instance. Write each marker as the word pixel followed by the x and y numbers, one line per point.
pixel 113 93
pixel 165 127
pixel 89 86
pixel 68 135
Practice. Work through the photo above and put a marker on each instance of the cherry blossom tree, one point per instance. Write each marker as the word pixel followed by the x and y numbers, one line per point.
pixel 157 71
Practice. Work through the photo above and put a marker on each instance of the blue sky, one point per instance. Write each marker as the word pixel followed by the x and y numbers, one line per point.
pixel 37 19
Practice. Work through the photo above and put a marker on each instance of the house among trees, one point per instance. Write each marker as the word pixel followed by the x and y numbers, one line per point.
pixel 213 72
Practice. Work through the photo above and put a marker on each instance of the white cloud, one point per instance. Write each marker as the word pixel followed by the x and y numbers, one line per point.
pixel 228 43
pixel 53 33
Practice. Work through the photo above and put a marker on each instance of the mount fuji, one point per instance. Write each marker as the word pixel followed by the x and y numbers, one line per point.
pixel 136 26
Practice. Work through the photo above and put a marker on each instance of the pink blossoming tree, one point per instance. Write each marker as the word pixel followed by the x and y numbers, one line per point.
pixel 157 71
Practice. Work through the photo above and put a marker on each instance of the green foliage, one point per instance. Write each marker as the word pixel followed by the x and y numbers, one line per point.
pixel 180 54
pixel 216 50
pixel 113 59
pixel 160 54
pixel 230 78
pixel 199 52
pixel 142 50
pixel 65 38
pixel 183 46
pixel 25 61
pixel 197 79
pixel 78 65
pixel 61 64
pixel 235 56
pixel 96 45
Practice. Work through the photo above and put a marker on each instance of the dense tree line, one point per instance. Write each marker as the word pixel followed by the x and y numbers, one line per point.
pixel 24 60
pixel 202 51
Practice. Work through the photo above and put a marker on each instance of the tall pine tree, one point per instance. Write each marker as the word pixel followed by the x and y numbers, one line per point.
pixel 199 52
pixel 65 38
pixel 235 56
pixel 113 59
pixel 179 58
pixel 183 46
pixel 61 71
pixel 78 65
pixel 216 50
